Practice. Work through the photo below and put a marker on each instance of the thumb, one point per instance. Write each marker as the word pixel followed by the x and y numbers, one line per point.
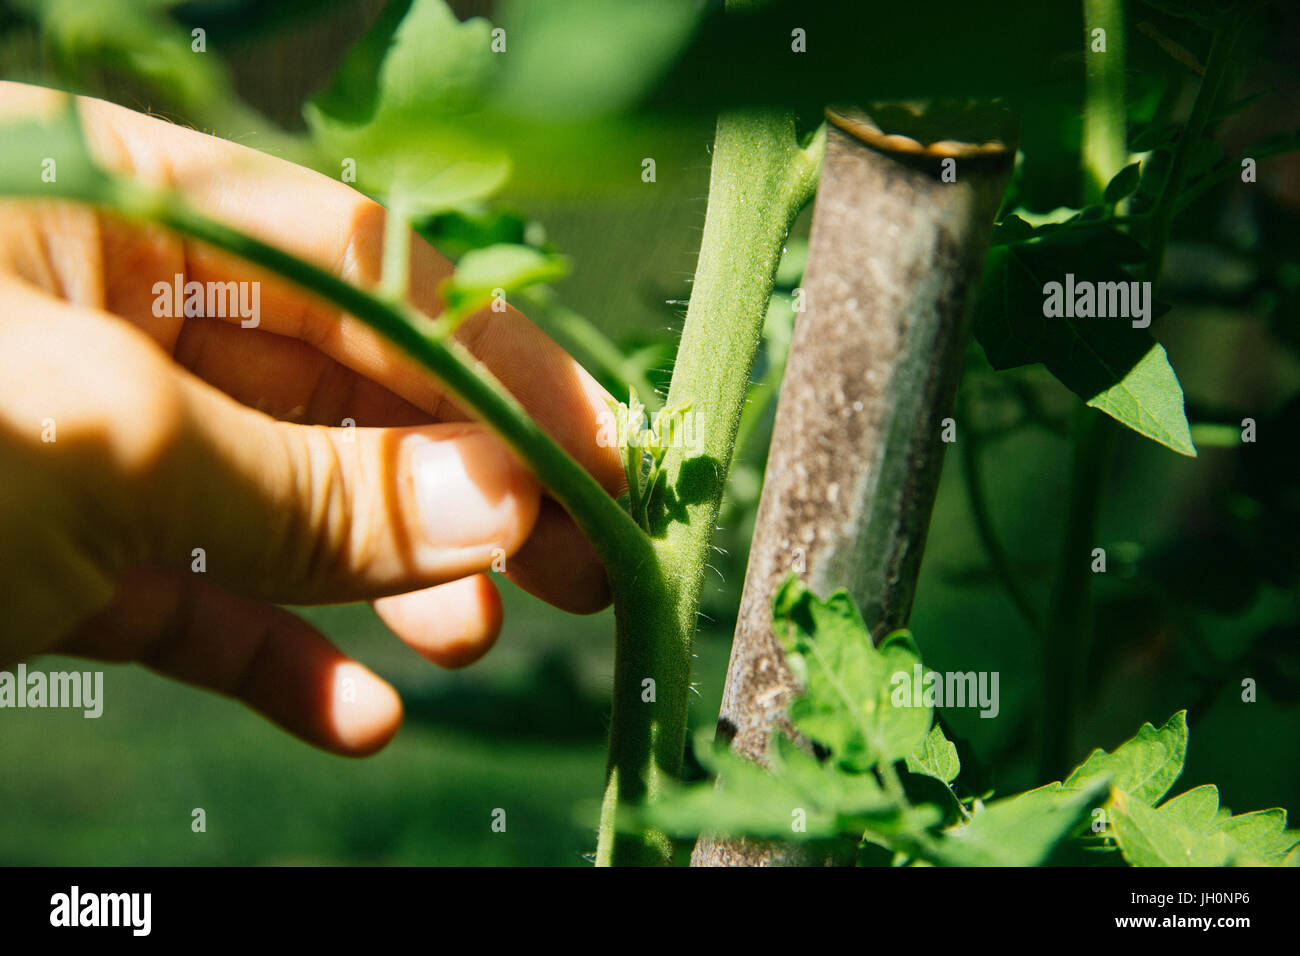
pixel 306 514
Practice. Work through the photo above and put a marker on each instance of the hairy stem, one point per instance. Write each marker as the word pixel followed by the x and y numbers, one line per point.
pixel 760 181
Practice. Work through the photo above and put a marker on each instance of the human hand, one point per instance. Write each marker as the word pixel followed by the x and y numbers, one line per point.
pixel 166 480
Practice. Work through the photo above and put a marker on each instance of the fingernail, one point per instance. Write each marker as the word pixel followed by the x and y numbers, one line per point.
pixel 464 490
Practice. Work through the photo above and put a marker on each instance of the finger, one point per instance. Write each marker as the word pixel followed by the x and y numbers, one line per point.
pixel 287 378
pixel 348 513
pixel 289 513
pixel 272 660
pixel 452 625
pixel 558 564
pixel 325 222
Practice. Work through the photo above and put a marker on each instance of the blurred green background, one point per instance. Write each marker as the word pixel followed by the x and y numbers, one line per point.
pixel 1200 590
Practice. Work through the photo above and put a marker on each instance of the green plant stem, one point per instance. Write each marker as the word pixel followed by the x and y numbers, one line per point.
pixel 1068 633
pixel 1105 144
pixel 892 783
pixel 395 274
pixel 997 555
pixel 1067 639
pixel 1066 642
pixel 612 531
pixel 1166 207
pixel 760 181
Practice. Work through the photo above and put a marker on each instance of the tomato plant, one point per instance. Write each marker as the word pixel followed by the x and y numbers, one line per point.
pixel 1047 235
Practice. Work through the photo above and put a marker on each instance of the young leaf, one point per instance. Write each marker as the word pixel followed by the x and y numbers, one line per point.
pixel 1191 830
pixel 1260 835
pixel 400 107
pixel 1017 831
pixel 1147 838
pixel 846 706
pixel 848 701
pixel 1145 766
pixel 481 273
pixel 799 799
pixel 1196 809
pixel 854 798
pixel 936 757
pixel 749 802
pixel 1124 184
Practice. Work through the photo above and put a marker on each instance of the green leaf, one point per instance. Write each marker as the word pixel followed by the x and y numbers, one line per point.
pixel 624 48
pixel 1017 831
pixel 416 61
pixel 846 707
pixel 853 798
pixel 1145 766
pixel 1192 830
pixel 849 686
pixel 483 273
pixel 799 799
pixel 1149 400
pixel 403 105
pixel 750 802
pixel 429 115
pixel 1146 838
pixel 1124 184
pixel 1114 367
pixel 936 757
pixel 1195 809
pixel 1260 835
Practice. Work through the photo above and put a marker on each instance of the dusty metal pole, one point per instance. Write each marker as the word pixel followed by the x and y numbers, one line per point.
pixel 899 236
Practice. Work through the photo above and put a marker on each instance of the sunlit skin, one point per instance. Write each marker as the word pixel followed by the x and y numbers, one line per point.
pixel 173 434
